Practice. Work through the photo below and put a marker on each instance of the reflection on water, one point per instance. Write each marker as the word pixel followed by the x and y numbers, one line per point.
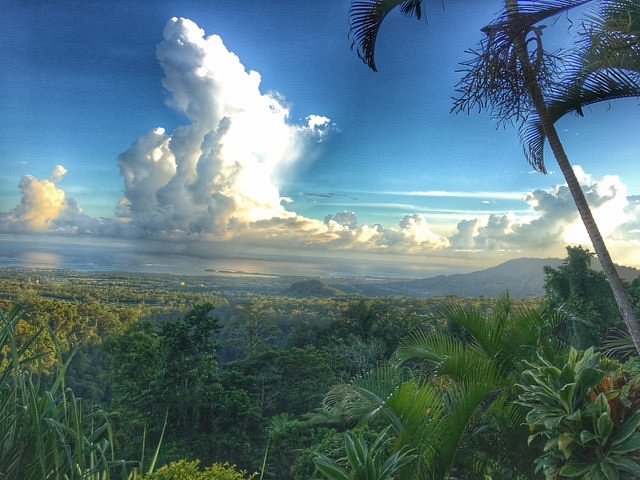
pixel 195 259
pixel 33 259
pixel 103 257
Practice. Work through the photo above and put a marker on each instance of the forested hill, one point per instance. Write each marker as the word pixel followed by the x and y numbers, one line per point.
pixel 523 277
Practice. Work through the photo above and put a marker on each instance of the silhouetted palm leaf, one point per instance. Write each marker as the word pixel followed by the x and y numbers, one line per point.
pixel 365 19
pixel 612 38
pixel 495 78
pixel 606 67
pixel 514 21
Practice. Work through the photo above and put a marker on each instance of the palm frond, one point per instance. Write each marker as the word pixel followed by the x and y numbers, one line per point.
pixel 486 330
pixel 366 396
pixel 432 348
pixel 598 86
pixel 519 19
pixel 474 378
pixel 420 409
pixel 604 67
pixel 365 20
pixel 612 36
pixel 618 344
pixel 462 405
pixel 494 78
pixel 521 336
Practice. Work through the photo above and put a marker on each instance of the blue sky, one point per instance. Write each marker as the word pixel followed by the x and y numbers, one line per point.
pixel 329 157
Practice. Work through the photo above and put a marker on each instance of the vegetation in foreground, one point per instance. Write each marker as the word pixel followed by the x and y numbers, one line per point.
pixel 292 388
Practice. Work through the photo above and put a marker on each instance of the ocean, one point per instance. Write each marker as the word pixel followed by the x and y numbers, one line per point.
pixel 73 253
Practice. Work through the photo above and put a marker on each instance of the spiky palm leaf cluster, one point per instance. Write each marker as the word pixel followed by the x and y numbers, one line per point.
pixel 438 387
pixel 365 462
pixel 496 79
pixel 605 66
pixel 612 36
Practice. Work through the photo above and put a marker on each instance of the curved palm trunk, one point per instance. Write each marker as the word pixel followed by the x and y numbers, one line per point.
pixel 619 292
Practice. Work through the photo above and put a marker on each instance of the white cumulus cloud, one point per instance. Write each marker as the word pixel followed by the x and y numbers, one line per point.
pixel 42 203
pixel 556 222
pixel 221 171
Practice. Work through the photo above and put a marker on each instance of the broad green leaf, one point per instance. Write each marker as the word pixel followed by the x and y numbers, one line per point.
pixel 625 463
pixel 594 473
pixel 566 393
pixel 330 469
pixel 552 423
pixel 575 416
pixel 604 426
pixel 574 470
pixel 631 444
pixel 535 416
pixel 609 471
pixel 551 444
pixel 587 436
pixel 630 426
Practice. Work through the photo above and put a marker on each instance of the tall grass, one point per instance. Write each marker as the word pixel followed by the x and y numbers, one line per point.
pixel 46 432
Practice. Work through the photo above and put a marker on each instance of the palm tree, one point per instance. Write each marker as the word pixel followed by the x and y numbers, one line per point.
pixel 512 75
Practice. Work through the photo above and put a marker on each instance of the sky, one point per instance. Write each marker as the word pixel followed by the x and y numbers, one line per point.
pixel 230 125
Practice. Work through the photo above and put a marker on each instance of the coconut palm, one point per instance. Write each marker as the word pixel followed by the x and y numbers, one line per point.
pixel 512 75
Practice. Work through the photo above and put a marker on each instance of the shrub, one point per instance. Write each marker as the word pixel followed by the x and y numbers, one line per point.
pixel 588 415
pixel 190 470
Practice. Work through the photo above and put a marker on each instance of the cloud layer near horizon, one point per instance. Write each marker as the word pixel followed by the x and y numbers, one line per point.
pixel 218 177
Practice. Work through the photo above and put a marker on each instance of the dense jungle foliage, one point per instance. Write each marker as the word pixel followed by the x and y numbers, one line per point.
pixel 108 378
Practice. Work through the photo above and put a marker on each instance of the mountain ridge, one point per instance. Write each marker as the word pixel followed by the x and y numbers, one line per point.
pixel 521 277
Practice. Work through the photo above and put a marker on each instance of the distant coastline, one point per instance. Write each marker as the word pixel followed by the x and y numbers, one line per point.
pixel 42 252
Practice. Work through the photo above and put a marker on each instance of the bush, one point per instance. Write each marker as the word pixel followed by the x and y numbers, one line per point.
pixel 185 470
pixel 587 414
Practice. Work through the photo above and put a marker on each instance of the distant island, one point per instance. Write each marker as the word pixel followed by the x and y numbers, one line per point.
pixel 242 272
